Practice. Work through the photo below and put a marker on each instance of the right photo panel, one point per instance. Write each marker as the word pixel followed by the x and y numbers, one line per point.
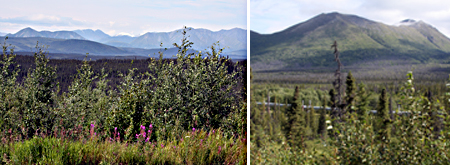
pixel 349 82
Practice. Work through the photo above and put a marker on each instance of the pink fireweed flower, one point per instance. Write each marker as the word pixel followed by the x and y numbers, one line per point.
pixel 193 129
pixel 220 149
pixel 137 135
pixel 146 140
pixel 162 146
pixel 92 125
pixel 150 126
pixel 115 129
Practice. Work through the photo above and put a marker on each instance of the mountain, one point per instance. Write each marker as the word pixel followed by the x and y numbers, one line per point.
pixel 98 43
pixel 92 35
pixel 74 46
pixel 307 44
pixel 29 32
pixel 119 41
pixel 3 34
pixel 234 39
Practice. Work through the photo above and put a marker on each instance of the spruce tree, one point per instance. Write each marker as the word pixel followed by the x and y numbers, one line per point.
pixel 296 136
pixel 350 92
pixel 313 121
pixel 383 116
pixel 362 103
pixel 321 130
pixel 334 113
pixel 291 111
pixel 296 133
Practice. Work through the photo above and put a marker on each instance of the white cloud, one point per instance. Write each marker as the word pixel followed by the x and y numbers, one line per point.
pixel 125 16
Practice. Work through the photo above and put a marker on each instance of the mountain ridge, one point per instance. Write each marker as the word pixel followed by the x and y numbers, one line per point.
pixel 359 39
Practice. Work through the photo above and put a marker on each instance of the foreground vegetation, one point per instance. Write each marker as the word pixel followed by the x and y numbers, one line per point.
pixel 410 125
pixel 194 147
pixel 195 98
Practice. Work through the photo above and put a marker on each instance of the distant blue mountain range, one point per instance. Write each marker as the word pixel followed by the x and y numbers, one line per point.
pixel 99 43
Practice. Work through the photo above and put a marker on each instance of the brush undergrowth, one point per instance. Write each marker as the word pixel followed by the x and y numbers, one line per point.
pixel 95 123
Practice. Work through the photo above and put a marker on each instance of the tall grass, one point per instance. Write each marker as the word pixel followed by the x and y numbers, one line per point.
pixel 194 147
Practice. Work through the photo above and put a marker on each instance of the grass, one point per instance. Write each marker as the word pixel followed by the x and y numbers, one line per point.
pixel 195 147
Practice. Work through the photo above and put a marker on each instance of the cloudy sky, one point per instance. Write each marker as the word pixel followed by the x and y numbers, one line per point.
pixel 123 17
pixel 269 16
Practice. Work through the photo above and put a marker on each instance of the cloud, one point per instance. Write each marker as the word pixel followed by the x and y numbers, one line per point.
pixel 43 20
pixel 133 17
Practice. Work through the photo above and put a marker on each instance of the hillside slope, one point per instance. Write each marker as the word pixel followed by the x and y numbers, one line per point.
pixel 307 44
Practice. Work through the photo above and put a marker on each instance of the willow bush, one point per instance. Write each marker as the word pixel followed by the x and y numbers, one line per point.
pixel 194 91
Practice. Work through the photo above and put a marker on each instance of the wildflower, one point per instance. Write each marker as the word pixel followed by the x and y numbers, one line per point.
pixel 193 129
pixel 151 126
pixel 146 140
pixel 115 129
pixel 92 125
pixel 162 145
pixel 220 149
pixel 174 147
pixel 328 122
pixel 330 127
pixel 137 136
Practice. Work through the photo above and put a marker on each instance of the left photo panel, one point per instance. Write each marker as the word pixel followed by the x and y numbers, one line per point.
pixel 141 82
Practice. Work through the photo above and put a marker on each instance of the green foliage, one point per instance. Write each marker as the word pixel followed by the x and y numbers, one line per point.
pixel 193 148
pixel 200 90
pixel 350 92
pixel 419 134
pixel 84 104
pixel 36 112
pixel 362 101
pixel 321 128
pixel 8 92
pixel 171 96
pixel 383 125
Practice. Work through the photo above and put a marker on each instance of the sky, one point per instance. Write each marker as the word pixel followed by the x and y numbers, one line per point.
pixel 116 17
pixel 269 16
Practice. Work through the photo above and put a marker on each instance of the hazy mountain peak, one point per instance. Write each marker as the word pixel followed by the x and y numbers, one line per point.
pixel 406 22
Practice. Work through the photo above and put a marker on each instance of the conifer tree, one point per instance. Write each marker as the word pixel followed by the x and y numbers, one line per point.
pixel 383 116
pixel 321 130
pixel 291 111
pixel 313 121
pixel 332 93
pixel 256 132
pixel 350 92
pixel 362 102
pixel 296 136
pixel 296 125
